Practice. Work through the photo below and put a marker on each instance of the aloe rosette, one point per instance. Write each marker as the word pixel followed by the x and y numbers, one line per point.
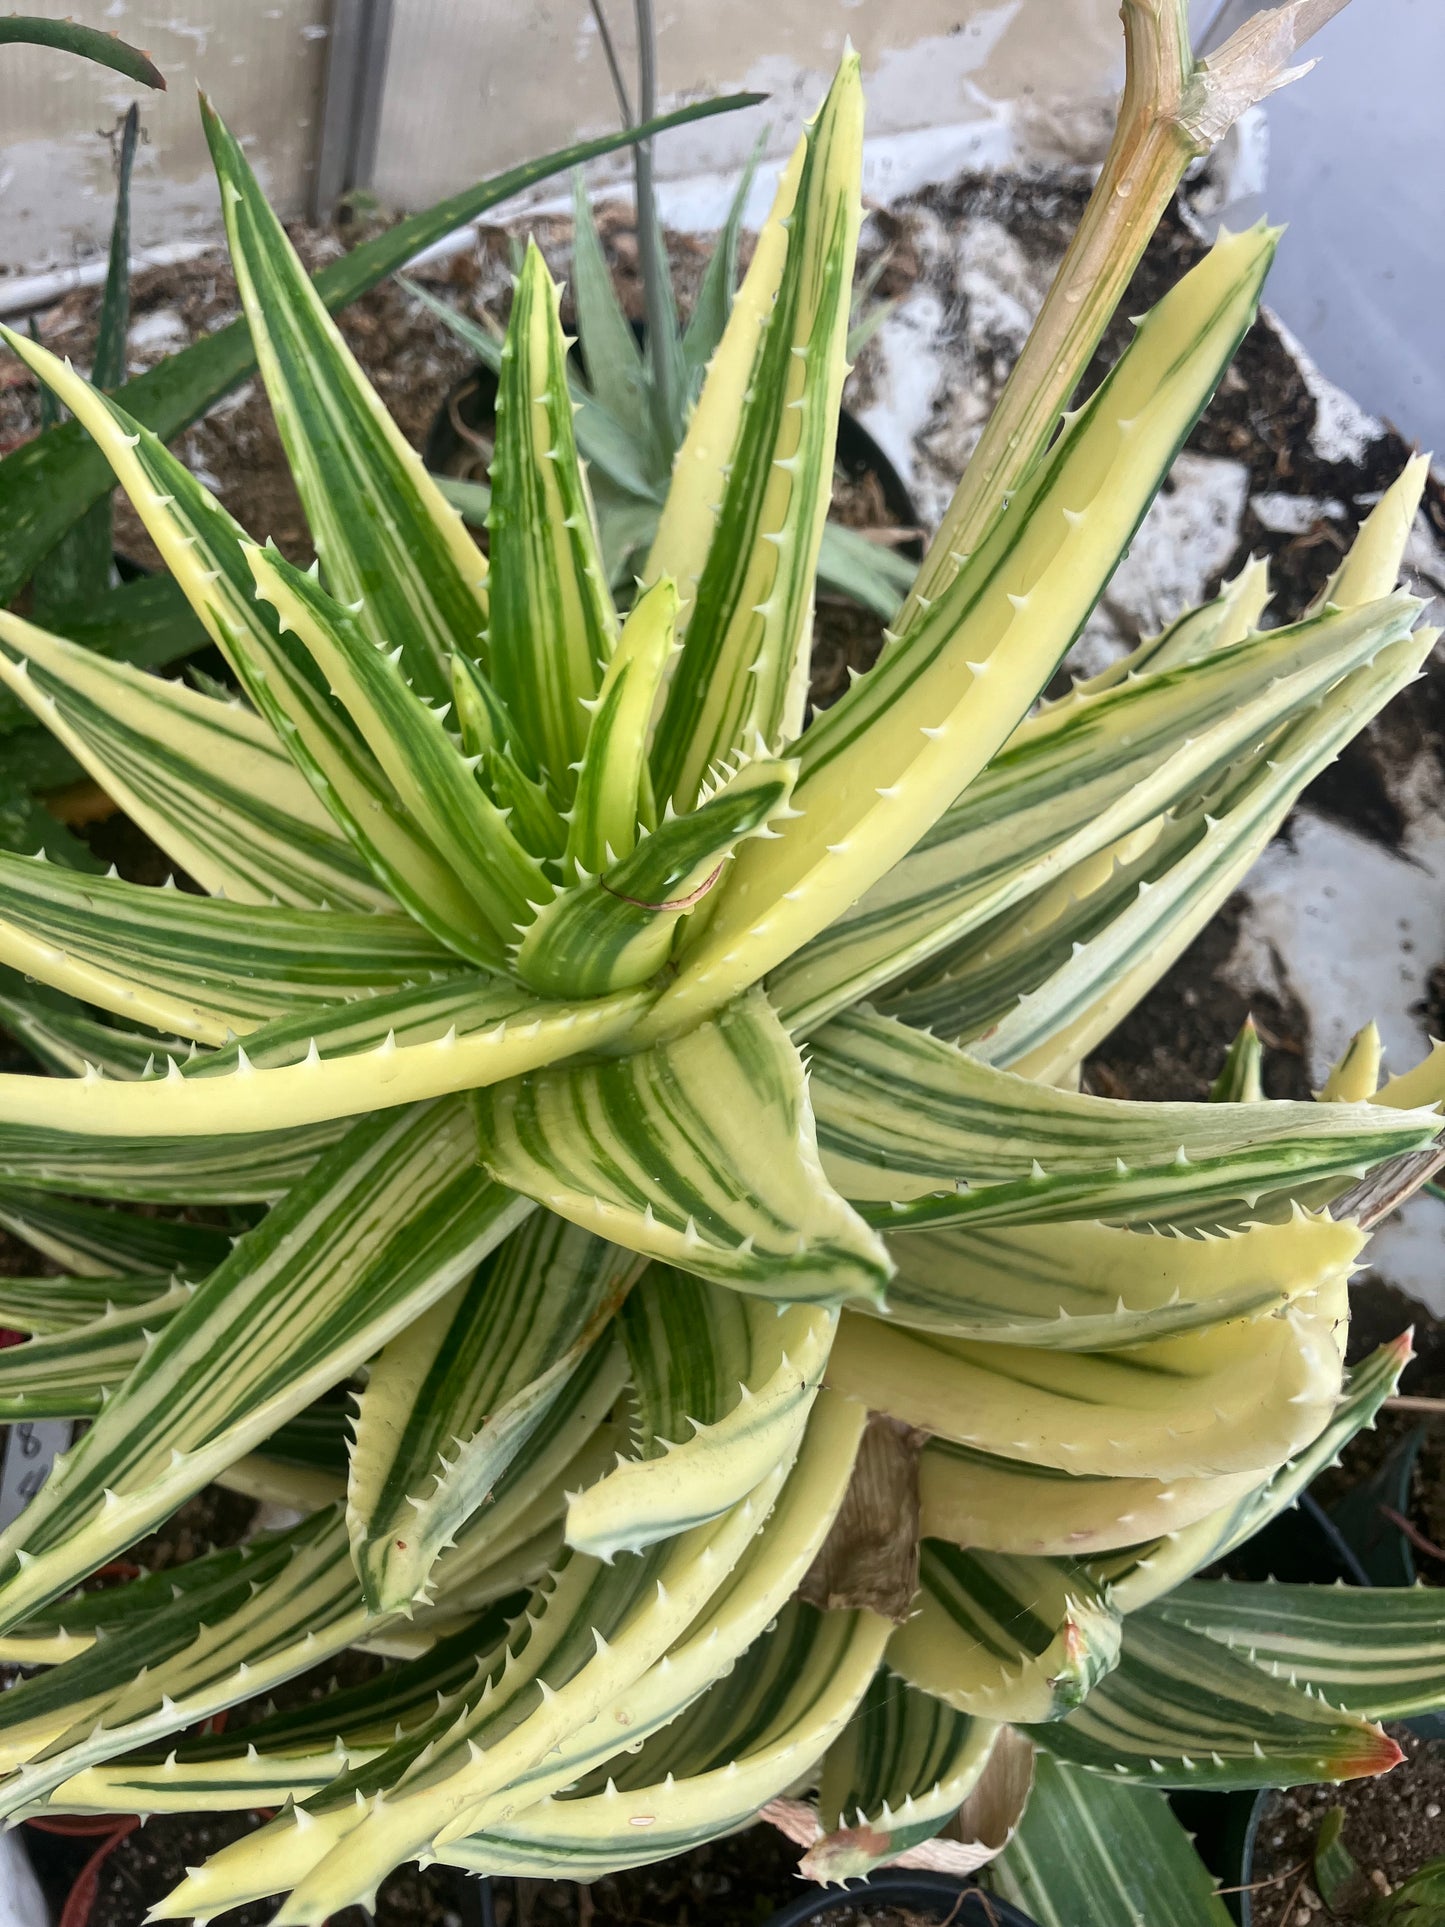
pixel 625 1087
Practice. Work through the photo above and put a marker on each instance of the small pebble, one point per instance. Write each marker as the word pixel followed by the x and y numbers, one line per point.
pixel 1302 1917
pixel 1432 1810
pixel 1378 1880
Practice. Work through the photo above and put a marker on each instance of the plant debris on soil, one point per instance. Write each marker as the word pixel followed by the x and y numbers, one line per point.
pixel 1393 1825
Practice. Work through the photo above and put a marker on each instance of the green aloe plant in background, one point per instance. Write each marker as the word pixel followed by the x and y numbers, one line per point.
pixel 634 398
pixel 774 1386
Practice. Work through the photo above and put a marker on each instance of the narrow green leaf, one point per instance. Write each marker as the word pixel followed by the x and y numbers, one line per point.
pixel 1182 1711
pixel 552 628
pixel 614 789
pixel 743 668
pixel 105 49
pixel 616 374
pixel 388 542
pixel 71 1373
pixel 1091 1853
pixel 91 1239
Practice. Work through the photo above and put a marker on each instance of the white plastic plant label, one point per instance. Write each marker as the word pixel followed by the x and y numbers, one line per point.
pixel 31 1448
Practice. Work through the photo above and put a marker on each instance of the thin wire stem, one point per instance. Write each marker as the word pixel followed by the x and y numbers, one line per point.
pixel 614 65
pixel 649 229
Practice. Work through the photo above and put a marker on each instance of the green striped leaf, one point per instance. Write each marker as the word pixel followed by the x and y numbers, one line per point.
pixel 1242 1395
pixel 1069 783
pixel 50 482
pixel 1226 620
pixel 455 1397
pixel 744 1742
pixel 66 1040
pixel 1015 1505
pixel 614 802
pixel 882 765
pixel 145 1169
pixel 743 668
pixel 198 965
pixel 699 1152
pixel 1180 1710
pixel 1154 1567
pixel 410 742
pixel 1378 1651
pixel 205 550
pixel 611 932
pixel 552 628
pixel 309 1610
pixel 1003 1638
pixel 284 1754
pixel 596 1637
pixel 1241 1078
pixel 381 1227
pixel 384 534
pixel 1135 927
pixel 1090 1853
pixel 208 780
pixel 1097 1287
pixel 928 1135
pixel 71 1373
pixel 94 1240
pixel 902 1767
pixel 42 1306
pixel 722 1386
pixel 228 1093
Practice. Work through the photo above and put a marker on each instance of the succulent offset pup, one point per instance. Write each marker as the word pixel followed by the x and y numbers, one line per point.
pixel 631 1090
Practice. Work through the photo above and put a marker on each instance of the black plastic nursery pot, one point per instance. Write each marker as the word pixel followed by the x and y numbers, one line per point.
pixel 939 1898
pixel 460 437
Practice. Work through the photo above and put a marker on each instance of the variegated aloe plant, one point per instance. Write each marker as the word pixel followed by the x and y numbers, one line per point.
pixel 627 1091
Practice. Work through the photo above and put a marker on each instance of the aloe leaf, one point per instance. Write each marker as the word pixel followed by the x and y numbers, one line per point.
pixel 208 780
pixel 722 1387
pixel 206 551
pixel 926 1134
pixel 1241 1396
pixel 105 49
pixel 1070 783
pixel 610 450
pixel 141 1168
pixel 1089 1848
pixel 197 965
pixel 743 668
pixel 552 629
pixel 1181 1710
pixel 79 567
pixel 380 1228
pixel 409 740
pixel 882 765
pixel 1378 1651
pixel 226 1092
pixel 70 1374
pixel 49 483
pixel 96 1241
pixel 1240 1080
pixel 614 789
pixel 41 1307
pixel 455 1397
pixel 599 1686
pixel 389 545
pixel 1097 1287
pixel 901 1769
pixel 1004 1638
pixel 1147 1571
pixel 616 373
pixel 704 331
pixel 66 1041
pixel 748 1206
pixel 871 574
pixel 1012 1504
pixel 747 1740
pixel 609 932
